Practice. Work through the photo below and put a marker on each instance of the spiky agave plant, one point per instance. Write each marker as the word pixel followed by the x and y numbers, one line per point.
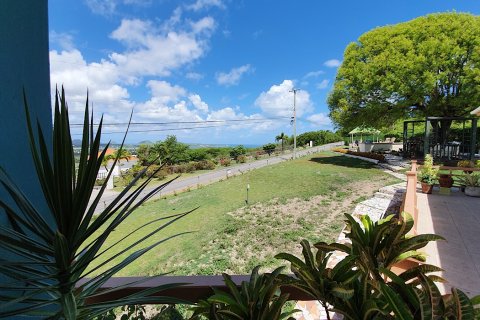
pixel 47 260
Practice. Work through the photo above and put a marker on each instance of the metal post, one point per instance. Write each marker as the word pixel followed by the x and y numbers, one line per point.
pixel 248 188
pixel 294 122
pixel 426 143
pixel 473 140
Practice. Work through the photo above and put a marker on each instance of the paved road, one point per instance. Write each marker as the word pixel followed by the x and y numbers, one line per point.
pixel 214 176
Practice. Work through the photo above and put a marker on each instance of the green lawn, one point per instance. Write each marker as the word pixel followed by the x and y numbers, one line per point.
pixel 305 198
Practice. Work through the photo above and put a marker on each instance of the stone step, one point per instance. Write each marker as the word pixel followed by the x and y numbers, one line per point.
pixel 384 195
pixel 394 188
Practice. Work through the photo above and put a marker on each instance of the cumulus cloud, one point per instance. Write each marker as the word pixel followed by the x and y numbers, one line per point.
pixel 164 91
pixel 198 103
pixel 278 100
pixel 62 39
pixel 233 77
pixel 323 84
pixel 320 119
pixel 332 63
pixel 153 52
pixel 69 68
pixel 202 4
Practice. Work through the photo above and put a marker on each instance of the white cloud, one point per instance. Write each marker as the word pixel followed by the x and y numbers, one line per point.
pixel 194 76
pixel 278 100
pixel 198 103
pixel 102 7
pixel 323 84
pixel 153 52
pixel 62 39
pixel 233 77
pixel 165 92
pixel 332 63
pixel 313 74
pixel 320 119
pixel 202 4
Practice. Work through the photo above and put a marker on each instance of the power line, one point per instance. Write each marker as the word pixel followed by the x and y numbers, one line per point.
pixel 180 128
pixel 183 122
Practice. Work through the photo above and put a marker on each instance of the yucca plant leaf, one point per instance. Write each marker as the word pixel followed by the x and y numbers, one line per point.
pixel 53 256
pixel 342 292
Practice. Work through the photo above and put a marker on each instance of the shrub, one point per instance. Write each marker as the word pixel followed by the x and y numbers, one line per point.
pixel 237 151
pixel 99 182
pixel 136 170
pixel 225 162
pixel 190 167
pixel 241 159
pixel 206 165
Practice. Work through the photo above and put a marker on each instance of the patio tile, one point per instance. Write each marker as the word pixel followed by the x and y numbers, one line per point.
pixel 457 218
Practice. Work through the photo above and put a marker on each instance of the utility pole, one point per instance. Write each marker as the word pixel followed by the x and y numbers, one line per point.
pixel 294 122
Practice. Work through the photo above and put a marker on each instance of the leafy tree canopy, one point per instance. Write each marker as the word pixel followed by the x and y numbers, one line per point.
pixel 428 66
pixel 318 137
pixel 269 148
pixel 237 151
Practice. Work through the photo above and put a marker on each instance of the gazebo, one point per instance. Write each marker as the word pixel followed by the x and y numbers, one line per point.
pixel 363 130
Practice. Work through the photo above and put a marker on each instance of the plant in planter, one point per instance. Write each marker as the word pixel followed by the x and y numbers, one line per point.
pixel 42 275
pixel 362 286
pixel 466 164
pixel 428 175
pixel 471 183
pixel 260 298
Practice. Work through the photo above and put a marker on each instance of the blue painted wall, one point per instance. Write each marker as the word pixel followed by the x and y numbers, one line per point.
pixel 23 64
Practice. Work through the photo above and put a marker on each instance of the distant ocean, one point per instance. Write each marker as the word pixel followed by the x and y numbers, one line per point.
pixel 77 143
pixel 206 145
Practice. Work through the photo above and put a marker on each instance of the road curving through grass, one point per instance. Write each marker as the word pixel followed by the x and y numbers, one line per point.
pixel 304 198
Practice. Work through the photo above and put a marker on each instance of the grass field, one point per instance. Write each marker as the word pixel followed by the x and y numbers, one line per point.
pixel 305 198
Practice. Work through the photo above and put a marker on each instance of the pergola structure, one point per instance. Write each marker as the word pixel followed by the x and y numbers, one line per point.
pixel 363 130
pixel 437 136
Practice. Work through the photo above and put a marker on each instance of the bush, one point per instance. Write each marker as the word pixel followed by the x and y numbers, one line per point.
pixel 99 182
pixel 205 165
pixel 241 159
pixel 136 170
pixel 225 162
pixel 237 151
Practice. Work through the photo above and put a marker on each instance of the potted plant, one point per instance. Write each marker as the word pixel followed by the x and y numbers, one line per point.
pixel 428 175
pixel 445 181
pixel 472 184
pixel 466 164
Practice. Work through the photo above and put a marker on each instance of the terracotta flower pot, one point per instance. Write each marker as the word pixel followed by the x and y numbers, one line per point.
pixel 445 181
pixel 427 188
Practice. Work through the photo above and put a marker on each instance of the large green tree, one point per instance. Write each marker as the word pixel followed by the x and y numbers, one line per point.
pixel 429 66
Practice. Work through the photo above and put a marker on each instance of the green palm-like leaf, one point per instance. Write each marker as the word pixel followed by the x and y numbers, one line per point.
pixel 52 258
pixel 258 299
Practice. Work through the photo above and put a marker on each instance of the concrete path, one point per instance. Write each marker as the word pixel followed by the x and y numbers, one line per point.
pixel 216 175
pixel 456 217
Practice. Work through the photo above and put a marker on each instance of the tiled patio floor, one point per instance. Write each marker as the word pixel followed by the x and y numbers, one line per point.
pixel 456 217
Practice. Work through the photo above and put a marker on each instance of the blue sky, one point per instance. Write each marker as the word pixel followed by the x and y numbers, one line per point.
pixel 194 66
